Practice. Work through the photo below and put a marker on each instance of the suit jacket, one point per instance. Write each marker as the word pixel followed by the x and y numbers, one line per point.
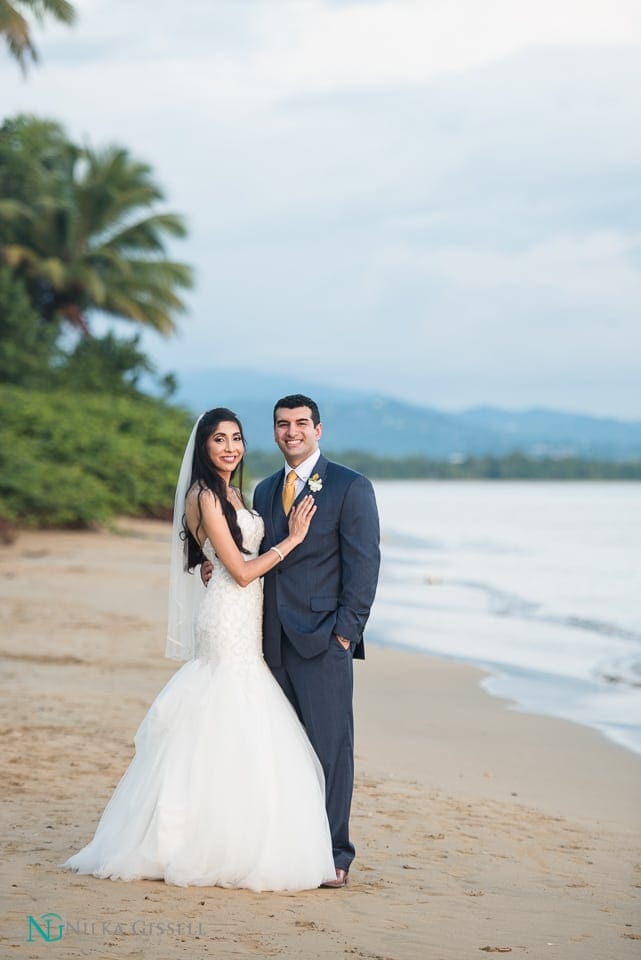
pixel 327 584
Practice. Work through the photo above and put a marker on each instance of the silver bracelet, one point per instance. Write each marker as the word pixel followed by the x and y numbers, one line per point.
pixel 276 550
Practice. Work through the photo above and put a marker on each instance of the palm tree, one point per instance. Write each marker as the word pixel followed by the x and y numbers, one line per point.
pixel 15 26
pixel 82 232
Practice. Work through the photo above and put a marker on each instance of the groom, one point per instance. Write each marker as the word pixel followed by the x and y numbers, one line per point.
pixel 318 599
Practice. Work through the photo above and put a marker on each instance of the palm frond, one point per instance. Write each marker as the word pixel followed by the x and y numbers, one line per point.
pixel 14 26
pixel 144 236
pixel 15 30
pixel 89 237
pixel 60 10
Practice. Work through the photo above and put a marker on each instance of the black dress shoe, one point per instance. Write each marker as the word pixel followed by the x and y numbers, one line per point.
pixel 340 881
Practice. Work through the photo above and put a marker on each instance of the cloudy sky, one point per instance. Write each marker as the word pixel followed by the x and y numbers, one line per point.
pixel 435 199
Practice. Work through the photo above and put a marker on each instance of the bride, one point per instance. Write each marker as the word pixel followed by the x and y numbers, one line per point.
pixel 224 788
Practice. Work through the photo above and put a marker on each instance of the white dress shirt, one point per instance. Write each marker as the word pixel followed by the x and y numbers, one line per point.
pixel 304 471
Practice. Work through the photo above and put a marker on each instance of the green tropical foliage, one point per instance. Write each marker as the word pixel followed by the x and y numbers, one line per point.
pixel 15 27
pixel 78 459
pixel 27 348
pixel 81 233
pixel 79 441
pixel 81 228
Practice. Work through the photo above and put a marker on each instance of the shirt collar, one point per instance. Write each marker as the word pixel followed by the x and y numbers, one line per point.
pixel 304 469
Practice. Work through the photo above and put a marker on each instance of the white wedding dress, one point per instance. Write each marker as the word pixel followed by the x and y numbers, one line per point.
pixel 224 788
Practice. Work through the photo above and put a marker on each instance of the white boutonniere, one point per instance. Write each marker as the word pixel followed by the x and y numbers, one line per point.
pixel 315 483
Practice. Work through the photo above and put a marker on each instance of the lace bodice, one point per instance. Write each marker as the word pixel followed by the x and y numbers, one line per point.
pixel 230 617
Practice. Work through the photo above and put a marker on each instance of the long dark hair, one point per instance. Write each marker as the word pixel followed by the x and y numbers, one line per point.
pixel 203 473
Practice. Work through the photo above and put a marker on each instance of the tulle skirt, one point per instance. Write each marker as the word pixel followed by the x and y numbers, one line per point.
pixel 224 789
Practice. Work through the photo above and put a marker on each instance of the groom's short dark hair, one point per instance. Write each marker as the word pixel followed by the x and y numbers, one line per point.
pixel 298 400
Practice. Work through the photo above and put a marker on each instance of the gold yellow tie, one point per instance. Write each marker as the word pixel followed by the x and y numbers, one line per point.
pixel 289 491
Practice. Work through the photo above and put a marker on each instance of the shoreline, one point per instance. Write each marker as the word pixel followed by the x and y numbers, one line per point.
pixel 501 682
pixel 496 758
pixel 535 585
pixel 475 826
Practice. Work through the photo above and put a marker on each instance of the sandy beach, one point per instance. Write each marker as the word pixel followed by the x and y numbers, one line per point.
pixel 479 830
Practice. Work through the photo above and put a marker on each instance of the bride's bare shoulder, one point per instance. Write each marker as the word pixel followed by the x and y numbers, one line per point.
pixel 198 497
pixel 197 494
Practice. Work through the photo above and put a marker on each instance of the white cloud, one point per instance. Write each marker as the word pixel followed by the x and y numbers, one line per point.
pixel 230 54
pixel 595 270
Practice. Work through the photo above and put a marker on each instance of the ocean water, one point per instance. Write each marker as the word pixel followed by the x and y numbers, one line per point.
pixel 539 583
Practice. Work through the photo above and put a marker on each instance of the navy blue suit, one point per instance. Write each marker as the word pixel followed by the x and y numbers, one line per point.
pixel 326 586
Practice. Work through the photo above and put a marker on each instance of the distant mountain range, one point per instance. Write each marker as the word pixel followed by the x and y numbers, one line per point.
pixel 375 423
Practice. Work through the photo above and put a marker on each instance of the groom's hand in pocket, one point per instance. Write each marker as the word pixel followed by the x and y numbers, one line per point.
pixel 206 570
pixel 344 642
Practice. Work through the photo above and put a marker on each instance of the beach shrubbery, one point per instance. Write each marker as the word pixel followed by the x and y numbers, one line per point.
pixel 77 459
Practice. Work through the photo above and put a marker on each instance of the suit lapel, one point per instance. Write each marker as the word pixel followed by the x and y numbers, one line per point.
pixel 276 519
pixel 274 484
pixel 319 468
pixel 279 521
